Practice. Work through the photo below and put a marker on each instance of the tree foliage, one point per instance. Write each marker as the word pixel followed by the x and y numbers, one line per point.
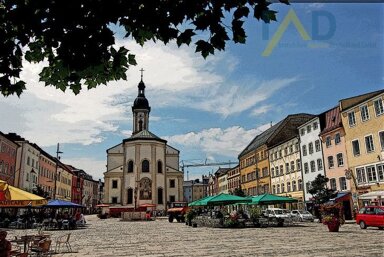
pixel 40 192
pixel 75 40
pixel 318 188
pixel 238 192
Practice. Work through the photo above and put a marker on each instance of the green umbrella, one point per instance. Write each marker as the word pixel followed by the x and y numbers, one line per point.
pixel 271 199
pixel 225 199
pixel 200 201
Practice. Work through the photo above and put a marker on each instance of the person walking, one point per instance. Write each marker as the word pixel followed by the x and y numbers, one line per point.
pixel 5 245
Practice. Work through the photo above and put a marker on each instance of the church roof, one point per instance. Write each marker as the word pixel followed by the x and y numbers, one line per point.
pixel 144 135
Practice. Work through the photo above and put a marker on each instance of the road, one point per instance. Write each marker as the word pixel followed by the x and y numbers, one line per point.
pixel 112 237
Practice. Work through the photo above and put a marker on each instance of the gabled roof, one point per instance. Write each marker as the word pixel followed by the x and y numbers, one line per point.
pixel 284 129
pixel 347 103
pixel 144 135
pixel 332 120
pixel 222 171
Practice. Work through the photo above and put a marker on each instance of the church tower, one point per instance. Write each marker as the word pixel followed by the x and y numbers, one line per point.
pixel 140 109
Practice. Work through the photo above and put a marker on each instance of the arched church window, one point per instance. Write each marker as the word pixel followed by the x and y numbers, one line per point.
pixel 159 167
pixel 130 166
pixel 145 166
pixel 160 196
pixel 130 196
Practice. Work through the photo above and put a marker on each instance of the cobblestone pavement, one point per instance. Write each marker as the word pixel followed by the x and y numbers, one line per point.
pixel 111 237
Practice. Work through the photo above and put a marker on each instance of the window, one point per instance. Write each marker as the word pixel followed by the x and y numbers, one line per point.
pixel 278 189
pixel 286 151
pixel 310 148
pixel 364 113
pixel 281 170
pixel 273 172
pixel 343 183
pixel 145 166
pixel 361 175
pixel 319 164
pixel 340 161
pixel 379 108
pixel 371 174
pixel 288 186
pixel 332 182
pixel 328 141
pixel 306 169
pixel 114 183
pixel 369 143
pixel 300 184
pixel 317 145
pixel 309 127
pixel 130 166
pixel 282 188
pixel 280 153
pixel 298 164
pixel 297 147
pixel 292 166
pixel 304 150
pixel 274 189
pixel 287 168
pixel 28 161
pixel 315 125
pixel 114 199
pixel 172 183
pixel 313 167
pixel 330 162
pixel 291 149
pixel 293 186
pixel 172 198
pixel 302 131
pixel 277 171
pixel 160 196
pixel 337 138
pixel 130 196
pixel 380 172
pixel 159 167
pixel 351 119
pixel 381 138
pixel 356 147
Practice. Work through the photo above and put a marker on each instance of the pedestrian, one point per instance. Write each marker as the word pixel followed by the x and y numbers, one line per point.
pixel 5 245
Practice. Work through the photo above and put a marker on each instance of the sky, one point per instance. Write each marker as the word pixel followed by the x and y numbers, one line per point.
pixel 210 109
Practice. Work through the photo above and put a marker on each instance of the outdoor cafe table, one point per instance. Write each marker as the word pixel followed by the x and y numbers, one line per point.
pixel 26 239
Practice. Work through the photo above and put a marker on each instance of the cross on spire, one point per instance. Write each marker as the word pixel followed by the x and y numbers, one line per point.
pixel 142 70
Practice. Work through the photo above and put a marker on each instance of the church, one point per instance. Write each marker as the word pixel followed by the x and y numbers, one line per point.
pixel 143 169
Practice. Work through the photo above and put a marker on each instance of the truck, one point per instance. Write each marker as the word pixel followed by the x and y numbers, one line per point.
pixel 177 211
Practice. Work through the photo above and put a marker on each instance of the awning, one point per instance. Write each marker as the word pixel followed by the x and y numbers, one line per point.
pixel 372 195
pixel 271 199
pixel 11 196
pixel 341 196
pixel 62 204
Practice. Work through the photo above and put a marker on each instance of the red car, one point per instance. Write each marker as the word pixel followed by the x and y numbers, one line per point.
pixel 371 216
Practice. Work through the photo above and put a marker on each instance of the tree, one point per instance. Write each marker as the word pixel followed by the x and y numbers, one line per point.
pixel 75 39
pixel 319 190
pixel 40 191
pixel 239 192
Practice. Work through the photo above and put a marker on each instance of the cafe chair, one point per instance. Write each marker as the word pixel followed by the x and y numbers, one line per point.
pixel 41 248
pixel 63 240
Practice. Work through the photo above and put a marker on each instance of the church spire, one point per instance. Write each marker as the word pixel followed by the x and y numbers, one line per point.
pixel 140 108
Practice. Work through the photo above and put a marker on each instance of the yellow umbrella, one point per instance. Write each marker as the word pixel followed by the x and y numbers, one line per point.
pixel 11 196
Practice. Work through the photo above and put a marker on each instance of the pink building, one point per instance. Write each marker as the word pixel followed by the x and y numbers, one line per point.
pixel 335 158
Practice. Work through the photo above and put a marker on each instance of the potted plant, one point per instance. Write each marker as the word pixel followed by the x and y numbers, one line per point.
pixel 332 215
pixel 189 216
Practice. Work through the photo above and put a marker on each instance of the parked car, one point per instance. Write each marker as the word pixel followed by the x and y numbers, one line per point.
pixel 302 215
pixel 371 216
pixel 280 215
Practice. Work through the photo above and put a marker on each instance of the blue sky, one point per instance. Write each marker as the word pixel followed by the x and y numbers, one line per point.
pixel 211 109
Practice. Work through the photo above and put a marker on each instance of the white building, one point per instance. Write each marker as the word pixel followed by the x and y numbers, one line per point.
pixel 311 153
pixel 142 169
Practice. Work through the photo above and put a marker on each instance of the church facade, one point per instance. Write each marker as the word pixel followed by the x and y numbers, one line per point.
pixel 143 169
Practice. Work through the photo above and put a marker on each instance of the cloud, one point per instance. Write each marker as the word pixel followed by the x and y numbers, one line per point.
pixel 227 142
pixel 92 166
pixel 261 110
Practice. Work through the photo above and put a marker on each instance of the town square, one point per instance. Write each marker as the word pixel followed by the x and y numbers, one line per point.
pixel 112 237
pixel 191 128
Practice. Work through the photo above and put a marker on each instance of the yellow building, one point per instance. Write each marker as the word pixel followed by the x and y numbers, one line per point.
pixel 254 159
pixel 63 183
pixel 363 120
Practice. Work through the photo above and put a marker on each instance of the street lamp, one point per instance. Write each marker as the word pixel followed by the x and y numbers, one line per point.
pixel 57 163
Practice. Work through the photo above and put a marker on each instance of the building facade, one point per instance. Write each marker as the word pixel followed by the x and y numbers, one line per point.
pixel 193 190
pixel 222 180
pixel 363 121
pixel 47 169
pixel 233 179
pixel 143 169
pixel 8 157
